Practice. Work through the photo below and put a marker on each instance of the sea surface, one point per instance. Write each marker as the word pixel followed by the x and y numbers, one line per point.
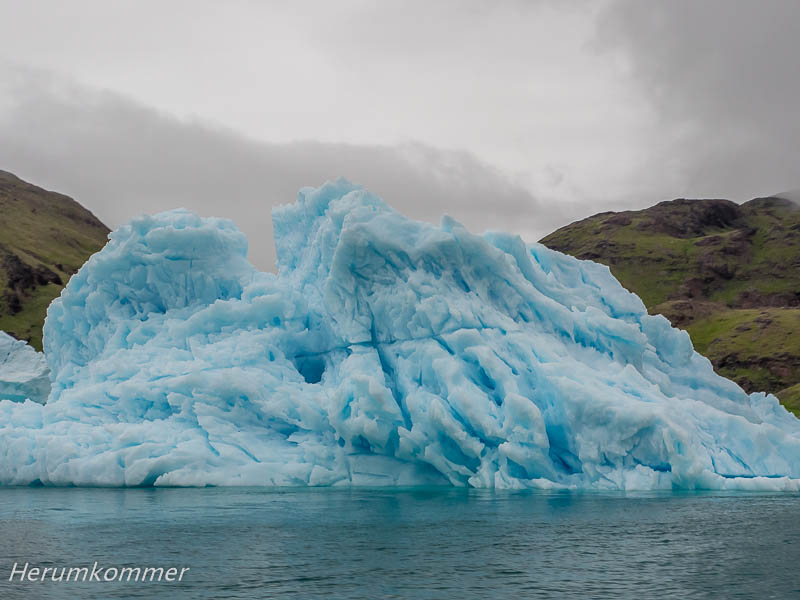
pixel 415 543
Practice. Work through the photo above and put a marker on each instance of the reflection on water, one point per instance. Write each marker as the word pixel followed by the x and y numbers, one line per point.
pixel 431 543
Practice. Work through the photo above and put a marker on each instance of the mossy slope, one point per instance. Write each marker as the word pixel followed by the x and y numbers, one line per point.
pixel 729 274
pixel 45 237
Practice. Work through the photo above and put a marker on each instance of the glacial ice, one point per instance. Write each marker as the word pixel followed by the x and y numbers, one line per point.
pixel 23 371
pixel 384 352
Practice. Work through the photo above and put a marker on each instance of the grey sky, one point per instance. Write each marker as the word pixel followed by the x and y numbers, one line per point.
pixel 513 115
pixel 724 79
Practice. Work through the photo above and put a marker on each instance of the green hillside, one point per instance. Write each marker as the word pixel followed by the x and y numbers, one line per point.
pixel 729 274
pixel 45 237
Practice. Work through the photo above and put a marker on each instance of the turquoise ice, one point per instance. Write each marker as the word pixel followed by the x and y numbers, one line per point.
pixel 23 371
pixel 384 352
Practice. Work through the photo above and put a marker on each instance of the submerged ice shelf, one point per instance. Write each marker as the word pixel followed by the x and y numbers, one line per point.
pixel 385 352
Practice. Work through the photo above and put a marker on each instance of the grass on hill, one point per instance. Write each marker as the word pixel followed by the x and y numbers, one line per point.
pixel 729 274
pixel 45 238
pixel 790 398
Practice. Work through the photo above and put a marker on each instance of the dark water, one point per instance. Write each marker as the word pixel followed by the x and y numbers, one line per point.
pixel 255 543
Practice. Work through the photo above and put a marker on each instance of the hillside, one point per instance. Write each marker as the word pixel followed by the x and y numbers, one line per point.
pixel 727 273
pixel 45 237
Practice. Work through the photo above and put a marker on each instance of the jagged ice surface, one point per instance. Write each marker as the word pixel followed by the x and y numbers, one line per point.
pixel 385 352
pixel 23 371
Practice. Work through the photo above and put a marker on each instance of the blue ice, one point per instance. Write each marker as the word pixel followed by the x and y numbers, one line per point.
pixel 23 371
pixel 384 352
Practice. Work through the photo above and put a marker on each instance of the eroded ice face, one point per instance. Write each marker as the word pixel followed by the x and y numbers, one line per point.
pixel 23 371
pixel 385 352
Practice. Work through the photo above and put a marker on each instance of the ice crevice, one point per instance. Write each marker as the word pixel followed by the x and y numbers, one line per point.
pixel 384 352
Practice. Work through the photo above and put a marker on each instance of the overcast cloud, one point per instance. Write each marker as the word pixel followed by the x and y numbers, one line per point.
pixel 123 159
pixel 520 115
pixel 724 78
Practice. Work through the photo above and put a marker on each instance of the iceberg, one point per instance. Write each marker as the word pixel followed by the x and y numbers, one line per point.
pixel 23 371
pixel 384 352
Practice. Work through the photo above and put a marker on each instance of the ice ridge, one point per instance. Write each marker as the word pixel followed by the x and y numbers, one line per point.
pixel 384 352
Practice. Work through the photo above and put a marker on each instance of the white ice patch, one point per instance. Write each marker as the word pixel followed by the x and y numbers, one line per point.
pixel 23 371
